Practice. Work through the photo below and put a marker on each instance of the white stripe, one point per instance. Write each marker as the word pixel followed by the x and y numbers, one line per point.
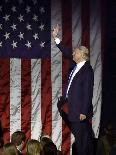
pixel 95 58
pixel 56 75
pixel 15 95
pixel 36 124
pixel 76 34
pixel 76 23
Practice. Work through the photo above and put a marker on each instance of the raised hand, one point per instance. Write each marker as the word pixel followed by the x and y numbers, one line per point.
pixel 55 31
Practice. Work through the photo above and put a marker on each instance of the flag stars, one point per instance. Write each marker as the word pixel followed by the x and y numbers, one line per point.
pixel 42 44
pixel 13 27
pixel 14 44
pixel 28 9
pixel 28 27
pixel 35 36
pixel 35 18
pixel 6 17
pixel 20 18
pixel 21 35
pixel 1 44
pixel 42 10
pixel 14 9
pixel 28 44
pixel 41 27
pixel 7 36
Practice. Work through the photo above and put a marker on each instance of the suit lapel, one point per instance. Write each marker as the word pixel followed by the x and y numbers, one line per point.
pixel 81 69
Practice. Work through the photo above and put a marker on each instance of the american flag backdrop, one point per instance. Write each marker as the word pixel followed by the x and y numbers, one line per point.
pixel 33 71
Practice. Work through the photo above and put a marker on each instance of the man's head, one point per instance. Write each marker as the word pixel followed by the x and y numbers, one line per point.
pixel 18 138
pixel 80 54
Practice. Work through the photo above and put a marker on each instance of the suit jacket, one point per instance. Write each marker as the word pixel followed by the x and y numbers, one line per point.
pixel 81 90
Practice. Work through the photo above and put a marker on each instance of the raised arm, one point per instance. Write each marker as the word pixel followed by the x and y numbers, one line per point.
pixel 55 34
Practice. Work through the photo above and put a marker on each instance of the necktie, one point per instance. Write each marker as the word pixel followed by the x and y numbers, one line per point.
pixel 71 74
pixel 69 81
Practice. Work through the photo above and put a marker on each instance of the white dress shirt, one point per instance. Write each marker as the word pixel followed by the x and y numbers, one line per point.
pixel 78 67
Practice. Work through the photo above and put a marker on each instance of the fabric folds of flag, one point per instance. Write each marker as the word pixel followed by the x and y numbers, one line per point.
pixel 29 88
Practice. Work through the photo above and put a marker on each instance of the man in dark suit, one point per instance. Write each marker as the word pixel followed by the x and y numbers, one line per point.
pixel 79 95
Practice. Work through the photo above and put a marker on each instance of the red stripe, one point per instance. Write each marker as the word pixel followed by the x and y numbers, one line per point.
pixel 85 19
pixel 46 96
pixel 26 97
pixel 5 97
pixel 67 39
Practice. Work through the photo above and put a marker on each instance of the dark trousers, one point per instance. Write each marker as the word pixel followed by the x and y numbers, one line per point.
pixel 82 131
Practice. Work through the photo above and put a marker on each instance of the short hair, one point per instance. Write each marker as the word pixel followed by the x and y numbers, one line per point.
pixel 49 149
pixel 17 137
pixel 33 147
pixel 44 140
pixel 10 149
pixel 85 52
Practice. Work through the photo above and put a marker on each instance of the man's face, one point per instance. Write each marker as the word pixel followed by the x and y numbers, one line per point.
pixel 77 55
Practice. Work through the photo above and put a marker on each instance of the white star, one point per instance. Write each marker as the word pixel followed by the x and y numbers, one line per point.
pixel 7 35
pixel 13 27
pixel 28 9
pixel 21 35
pixel 20 18
pixel 0 8
pixel 1 44
pixel 42 10
pixel 28 44
pixel 28 27
pixel 1 26
pixel 13 9
pixel 34 2
pixel 6 17
pixel 20 1
pixel 35 18
pixel 35 36
pixel 14 44
pixel 41 27
pixel 42 44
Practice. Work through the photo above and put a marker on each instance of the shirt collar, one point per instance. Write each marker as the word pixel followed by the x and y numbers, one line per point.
pixel 80 64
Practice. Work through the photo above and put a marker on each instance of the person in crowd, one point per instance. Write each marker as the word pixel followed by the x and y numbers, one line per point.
pixel 79 95
pixel 44 140
pixel 18 138
pixel 49 148
pixel 10 149
pixel 33 147
pixel 107 140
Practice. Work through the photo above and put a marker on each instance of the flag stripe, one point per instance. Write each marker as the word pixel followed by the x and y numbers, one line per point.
pixel 85 22
pixel 15 95
pixel 95 57
pixel 56 76
pixel 36 123
pixel 5 97
pixel 76 23
pixel 46 96
pixel 26 97
pixel 76 32
pixel 67 39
